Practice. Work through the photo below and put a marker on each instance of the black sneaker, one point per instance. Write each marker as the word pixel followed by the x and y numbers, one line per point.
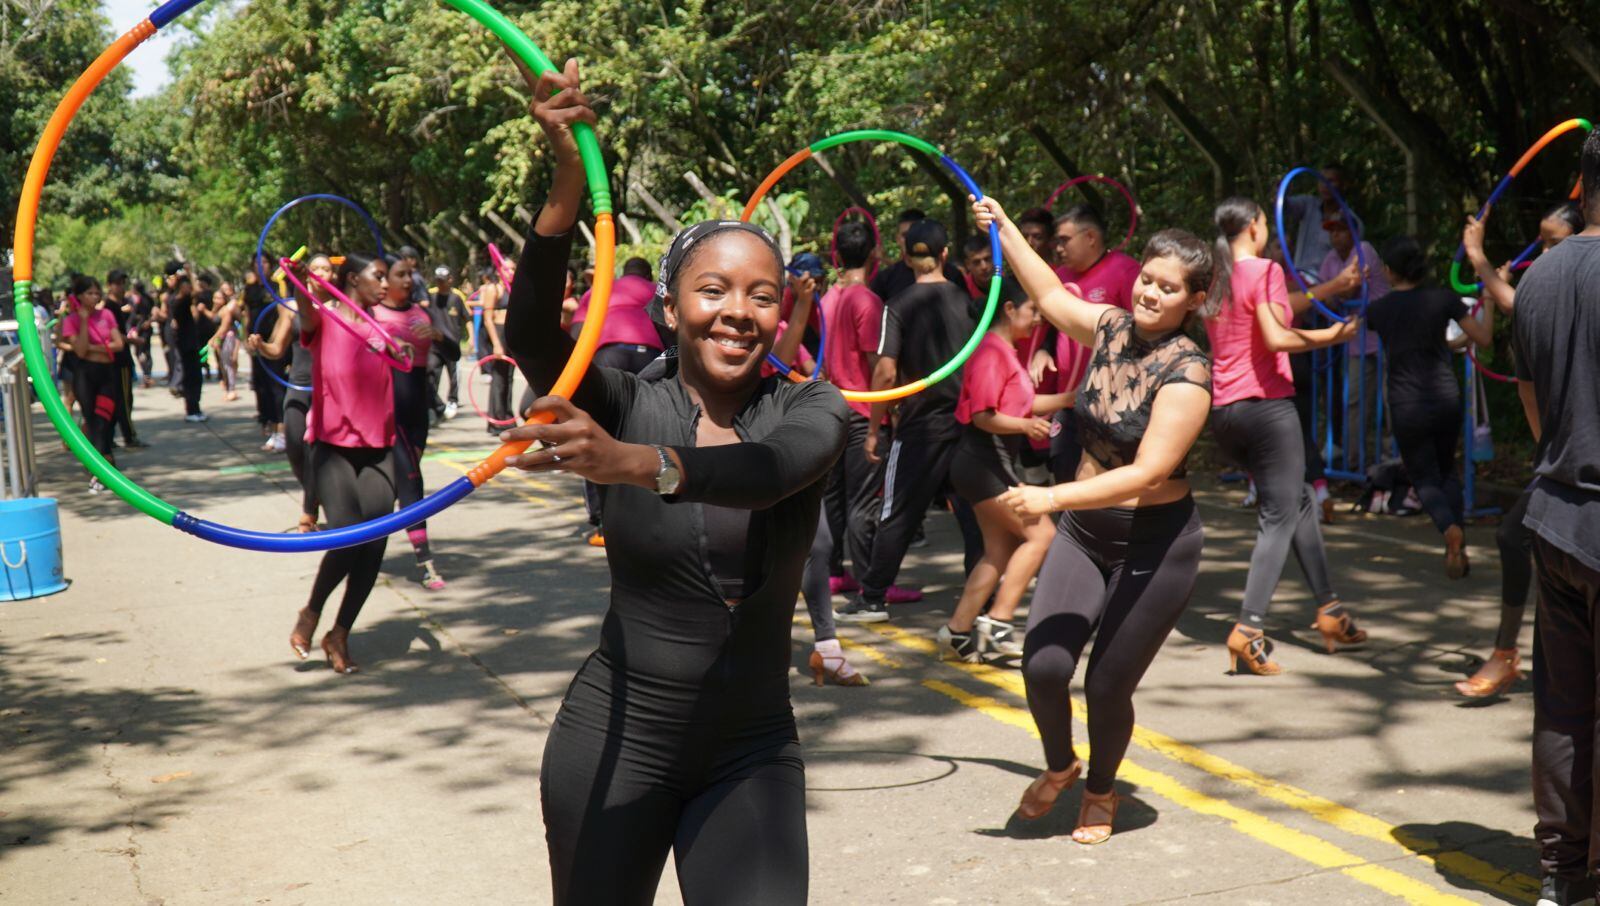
pixel 1557 891
pixel 920 539
pixel 860 610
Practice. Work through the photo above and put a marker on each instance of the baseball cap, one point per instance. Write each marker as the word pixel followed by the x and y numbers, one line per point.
pixel 806 263
pixel 925 239
pixel 442 272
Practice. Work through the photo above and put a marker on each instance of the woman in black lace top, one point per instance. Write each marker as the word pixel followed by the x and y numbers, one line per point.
pixel 1125 556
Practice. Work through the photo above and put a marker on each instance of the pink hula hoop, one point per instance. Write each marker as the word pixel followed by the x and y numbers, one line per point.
pixel 877 238
pixel 392 352
pixel 499 265
pixel 1133 206
pixel 472 388
pixel 1472 353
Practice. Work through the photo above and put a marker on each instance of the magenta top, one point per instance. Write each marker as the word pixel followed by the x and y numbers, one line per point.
pixel 102 324
pixel 1109 282
pixel 628 316
pixel 352 395
pixel 408 325
pixel 853 316
pixel 994 378
pixel 1242 367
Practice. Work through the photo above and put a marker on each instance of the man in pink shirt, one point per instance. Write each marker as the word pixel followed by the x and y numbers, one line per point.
pixel 1100 275
pixel 853 316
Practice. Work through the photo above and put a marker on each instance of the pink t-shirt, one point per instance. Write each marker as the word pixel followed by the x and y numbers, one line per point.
pixel 994 379
pixel 1242 367
pixel 408 325
pixel 352 395
pixel 102 323
pixel 628 315
pixel 1109 282
pixel 853 316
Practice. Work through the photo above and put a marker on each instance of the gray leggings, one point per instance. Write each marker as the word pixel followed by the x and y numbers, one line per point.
pixel 1264 437
pixel 1123 575
pixel 814 583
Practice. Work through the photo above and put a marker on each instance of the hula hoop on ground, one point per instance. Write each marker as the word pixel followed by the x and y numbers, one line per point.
pixel 261 361
pixel 472 390
pixel 966 180
pixel 822 347
pixel 396 354
pixel 1349 220
pixel 1133 206
pixel 38 367
pixel 833 241
pixel 1527 157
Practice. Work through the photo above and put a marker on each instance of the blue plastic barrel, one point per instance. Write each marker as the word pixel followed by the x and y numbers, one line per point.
pixel 30 548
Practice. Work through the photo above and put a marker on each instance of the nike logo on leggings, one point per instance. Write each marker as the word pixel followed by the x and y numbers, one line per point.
pixel 1140 572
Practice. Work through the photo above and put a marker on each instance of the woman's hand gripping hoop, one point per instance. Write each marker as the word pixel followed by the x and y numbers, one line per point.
pixel 1472 289
pixel 399 355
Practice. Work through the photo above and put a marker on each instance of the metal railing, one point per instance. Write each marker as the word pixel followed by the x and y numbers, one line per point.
pixel 17 466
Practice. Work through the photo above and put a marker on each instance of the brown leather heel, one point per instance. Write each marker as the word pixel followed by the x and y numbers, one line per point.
pixel 1337 627
pixel 1252 647
pixel 1495 676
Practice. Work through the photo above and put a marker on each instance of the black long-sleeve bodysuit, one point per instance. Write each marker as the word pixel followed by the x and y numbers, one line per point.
pixel 677 733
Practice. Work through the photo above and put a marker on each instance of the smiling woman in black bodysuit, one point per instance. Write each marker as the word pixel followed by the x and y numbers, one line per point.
pixel 677 733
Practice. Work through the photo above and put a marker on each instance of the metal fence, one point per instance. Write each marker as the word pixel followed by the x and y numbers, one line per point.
pixel 16 402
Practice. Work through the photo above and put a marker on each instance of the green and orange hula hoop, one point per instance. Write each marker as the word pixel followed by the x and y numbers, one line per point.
pixel 146 502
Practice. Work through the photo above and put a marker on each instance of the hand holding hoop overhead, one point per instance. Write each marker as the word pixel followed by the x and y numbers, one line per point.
pixel 595 175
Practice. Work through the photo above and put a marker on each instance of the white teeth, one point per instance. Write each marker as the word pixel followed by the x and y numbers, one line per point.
pixel 734 344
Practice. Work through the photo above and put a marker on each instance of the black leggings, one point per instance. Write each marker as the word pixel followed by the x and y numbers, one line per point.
pixel 850 503
pixel 814 585
pixel 1123 575
pixel 1516 571
pixel 96 386
pixel 296 406
pixel 500 379
pixel 1427 435
pixel 356 484
pixel 1265 437
pixel 631 774
pixel 125 380
pixel 410 442
pixel 193 379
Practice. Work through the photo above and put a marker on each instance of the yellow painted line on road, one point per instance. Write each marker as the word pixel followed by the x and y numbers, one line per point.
pixel 1301 845
pixel 1454 862
pixel 512 473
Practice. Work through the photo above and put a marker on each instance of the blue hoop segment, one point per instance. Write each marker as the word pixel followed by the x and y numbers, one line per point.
pixel 1349 218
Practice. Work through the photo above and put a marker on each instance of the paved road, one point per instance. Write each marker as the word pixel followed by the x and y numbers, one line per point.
pixel 160 745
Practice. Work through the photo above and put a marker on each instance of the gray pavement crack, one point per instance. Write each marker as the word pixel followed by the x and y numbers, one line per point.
pixel 132 850
pixel 437 626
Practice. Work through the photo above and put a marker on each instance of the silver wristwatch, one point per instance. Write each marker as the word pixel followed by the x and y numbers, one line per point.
pixel 667 475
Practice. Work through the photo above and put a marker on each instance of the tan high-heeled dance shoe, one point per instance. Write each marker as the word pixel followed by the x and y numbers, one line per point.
pixel 1337 627
pixel 1251 647
pixel 305 625
pixel 824 666
pixel 336 645
pixel 1095 816
pixel 1041 795
pixel 1495 676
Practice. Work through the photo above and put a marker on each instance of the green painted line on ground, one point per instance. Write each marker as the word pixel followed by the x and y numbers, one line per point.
pixel 279 465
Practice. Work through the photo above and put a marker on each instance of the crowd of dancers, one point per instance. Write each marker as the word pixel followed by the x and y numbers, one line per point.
pixel 1062 448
